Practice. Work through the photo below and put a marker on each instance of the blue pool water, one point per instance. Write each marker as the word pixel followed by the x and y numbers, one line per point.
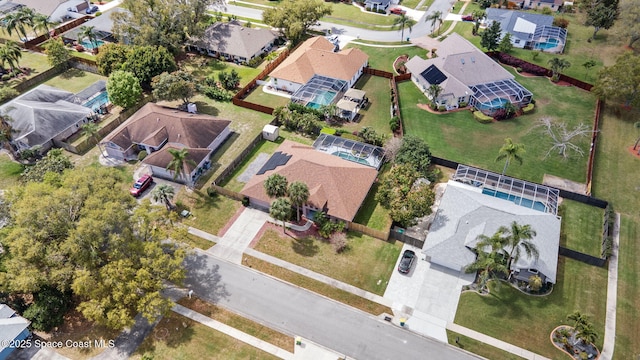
pixel 535 205
pixel 549 44
pixel 496 103
pixel 97 101
pixel 347 156
pixel 88 45
pixel 322 99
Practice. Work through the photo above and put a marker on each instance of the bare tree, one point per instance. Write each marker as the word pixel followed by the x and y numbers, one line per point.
pixel 562 138
pixel 392 147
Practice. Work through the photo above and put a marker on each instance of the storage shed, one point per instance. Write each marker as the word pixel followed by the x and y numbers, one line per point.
pixel 270 132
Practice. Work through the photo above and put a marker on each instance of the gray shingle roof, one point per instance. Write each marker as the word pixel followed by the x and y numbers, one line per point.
pixel 11 325
pixel 101 24
pixel 235 39
pixel 464 213
pixel 509 18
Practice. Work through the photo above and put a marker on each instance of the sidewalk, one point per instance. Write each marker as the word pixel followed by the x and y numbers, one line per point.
pixel 612 296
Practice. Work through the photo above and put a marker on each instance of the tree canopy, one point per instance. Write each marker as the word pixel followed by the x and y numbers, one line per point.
pixel 295 17
pixel 145 62
pixel 621 81
pixel 166 23
pixel 490 38
pixel 630 20
pixel 276 186
pixel 89 238
pixel 416 152
pixel 49 167
pixel 601 14
pixel 177 85
pixel 124 88
pixel 57 53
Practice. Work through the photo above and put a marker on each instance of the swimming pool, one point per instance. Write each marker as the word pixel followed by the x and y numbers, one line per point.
pixel 549 44
pixel 88 45
pixel 321 99
pixel 347 156
pixel 494 104
pixel 535 205
pixel 98 100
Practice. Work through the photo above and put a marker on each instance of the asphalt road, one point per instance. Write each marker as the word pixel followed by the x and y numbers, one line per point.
pixel 421 28
pixel 299 312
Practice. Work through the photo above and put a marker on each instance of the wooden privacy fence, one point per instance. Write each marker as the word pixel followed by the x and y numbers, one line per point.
pixel 376 72
pixel 34 43
pixel 228 193
pixel 378 234
pixel 237 161
pixel 592 150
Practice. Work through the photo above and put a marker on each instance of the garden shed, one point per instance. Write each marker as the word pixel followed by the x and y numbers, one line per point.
pixel 270 132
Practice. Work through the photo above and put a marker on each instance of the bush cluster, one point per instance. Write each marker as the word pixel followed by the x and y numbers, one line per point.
pixel 482 118
pixel 524 65
pixel 326 227
pixel 211 90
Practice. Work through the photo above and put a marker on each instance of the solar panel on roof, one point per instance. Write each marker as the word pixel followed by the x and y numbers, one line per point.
pixel 433 75
pixel 277 159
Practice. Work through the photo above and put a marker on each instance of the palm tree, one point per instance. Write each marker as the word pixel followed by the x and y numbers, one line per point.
pixel 557 65
pixel 519 237
pixel 276 186
pixel 329 111
pixel 587 334
pixel 435 17
pixel 490 263
pixel 477 16
pixel 510 151
pixel 164 193
pixel 10 53
pixel 18 21
pixel 42 22
pixel 299 195
pixel 280 210
pixel 86 32
pixel 91 130
pixel 579 319
pixel 434 91
pixel 178 163
pixel 403 21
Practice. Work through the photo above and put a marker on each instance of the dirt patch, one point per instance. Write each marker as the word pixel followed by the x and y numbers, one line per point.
pixel 633 152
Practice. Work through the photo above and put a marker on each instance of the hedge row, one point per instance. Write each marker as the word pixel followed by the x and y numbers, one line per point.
pixel 521 64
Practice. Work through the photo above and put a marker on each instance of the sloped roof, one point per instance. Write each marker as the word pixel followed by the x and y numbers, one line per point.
pixel 464 213
pixel 101 24
pixel 11 325
pixel 153 124
pixel 316 56
pixel 45 7
pixel 339 184
pixel 235 39
pixel 162 157
pixel 511 21
pixel 43 113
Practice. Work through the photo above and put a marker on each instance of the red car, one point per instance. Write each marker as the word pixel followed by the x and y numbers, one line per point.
pixel 141 185
pixel 397 11
pixel 467 18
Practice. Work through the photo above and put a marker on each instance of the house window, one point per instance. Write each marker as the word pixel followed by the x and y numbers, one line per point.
pixel 517 41
pixel 533 271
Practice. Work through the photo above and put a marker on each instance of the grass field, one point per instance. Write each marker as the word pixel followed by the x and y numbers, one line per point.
pixel 179 338
pixel 371 212
pixel 382 58
pixel 458 137
pixel 480 348
pixel 9 171
pixel 203 66
pixel 367 263
pixel 74 80
pixel 376 114
pixel 207 214
pixel 35 61
pixel 581 227
pixel 260 97
pixel 526 321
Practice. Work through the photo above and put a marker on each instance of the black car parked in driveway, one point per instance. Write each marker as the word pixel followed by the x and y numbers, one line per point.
pixel 408 257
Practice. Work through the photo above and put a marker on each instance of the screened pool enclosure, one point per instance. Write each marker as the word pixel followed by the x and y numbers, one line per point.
pixel 490 97
pixel 319 91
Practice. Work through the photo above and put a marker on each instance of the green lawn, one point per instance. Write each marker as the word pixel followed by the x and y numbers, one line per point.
pixel 371 212
pixel 35 61
pixel 382 58
pixel 367 263
pixel 458 137
pixel 615 179
pixel 265 147
pixel 479 348
pixel 258 96
pixel 526 321
pixel 207 214
pixel 74 80
pixel 9 171
pixel 581 227
pixel 179 338
pixel 376 114
pixel 351 15
pixel 203 66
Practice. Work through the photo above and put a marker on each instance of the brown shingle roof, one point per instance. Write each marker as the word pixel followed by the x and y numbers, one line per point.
pixel 147 124
pixel 339 184
pixel 162 157
pixel 316 57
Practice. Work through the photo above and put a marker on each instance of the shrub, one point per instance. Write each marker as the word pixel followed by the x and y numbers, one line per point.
pixel 141 155
pixel 7 93
pixel 394 123
pixel 561 22
pixel 98 13
pixel 368 8
pixel 245 201
pixel 547 11
pixel 463 104
pixel 442 108
pixel 79 48
pixel 212 192
pixel 215 93
pixel 526 66
pixel 328 130
pixel 380 11
pixel 528 109
pixel 6 77
pixel 482 118
pixel 519 69
pixel 339 242
pixel 305 110
pixel 255 62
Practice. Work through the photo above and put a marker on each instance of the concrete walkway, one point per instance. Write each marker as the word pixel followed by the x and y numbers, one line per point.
pixel 238 237
pixel 612 296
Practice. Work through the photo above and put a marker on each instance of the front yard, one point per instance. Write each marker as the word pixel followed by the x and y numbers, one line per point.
pixel 382 58
pixel 526 321
pixel 458 137
pixel 208 214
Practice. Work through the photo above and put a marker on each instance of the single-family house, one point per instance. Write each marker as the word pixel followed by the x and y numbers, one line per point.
pixel 540 4
pixel 466 76
pixel 43 116
pixel 13 329
pixel 480 206
pixel 336 186
pixel 529 30
pixel 102 28
pixel 156 129
pixel 57 10
pixel 234 42
pixel 377 5
pixel 334 72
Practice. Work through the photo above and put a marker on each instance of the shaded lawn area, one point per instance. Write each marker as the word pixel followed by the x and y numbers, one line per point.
pixel 316 286
pixel 238 322
pixel 479 348
pixel 267 147
pixel 260 97
pixel 526 321
pixel 207 213
pixel 376 114
pixel 9 171
pixel 74 80
pixel 615 179
pixel 35 61
pixel 197 242
pixel 212 67
pixel 371 212
pixel 177 337
pixel 382 58
pixel 363 264
pixel 581 227
pixel 458 137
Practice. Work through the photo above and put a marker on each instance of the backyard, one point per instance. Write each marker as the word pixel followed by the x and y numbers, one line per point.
pixel 458 137
pixel 526 321
pixel 581 227
pixel 9 171
pixel 377 113
pixel 35 61
pixel 367 263
pixel 74 80
pixel 202 66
